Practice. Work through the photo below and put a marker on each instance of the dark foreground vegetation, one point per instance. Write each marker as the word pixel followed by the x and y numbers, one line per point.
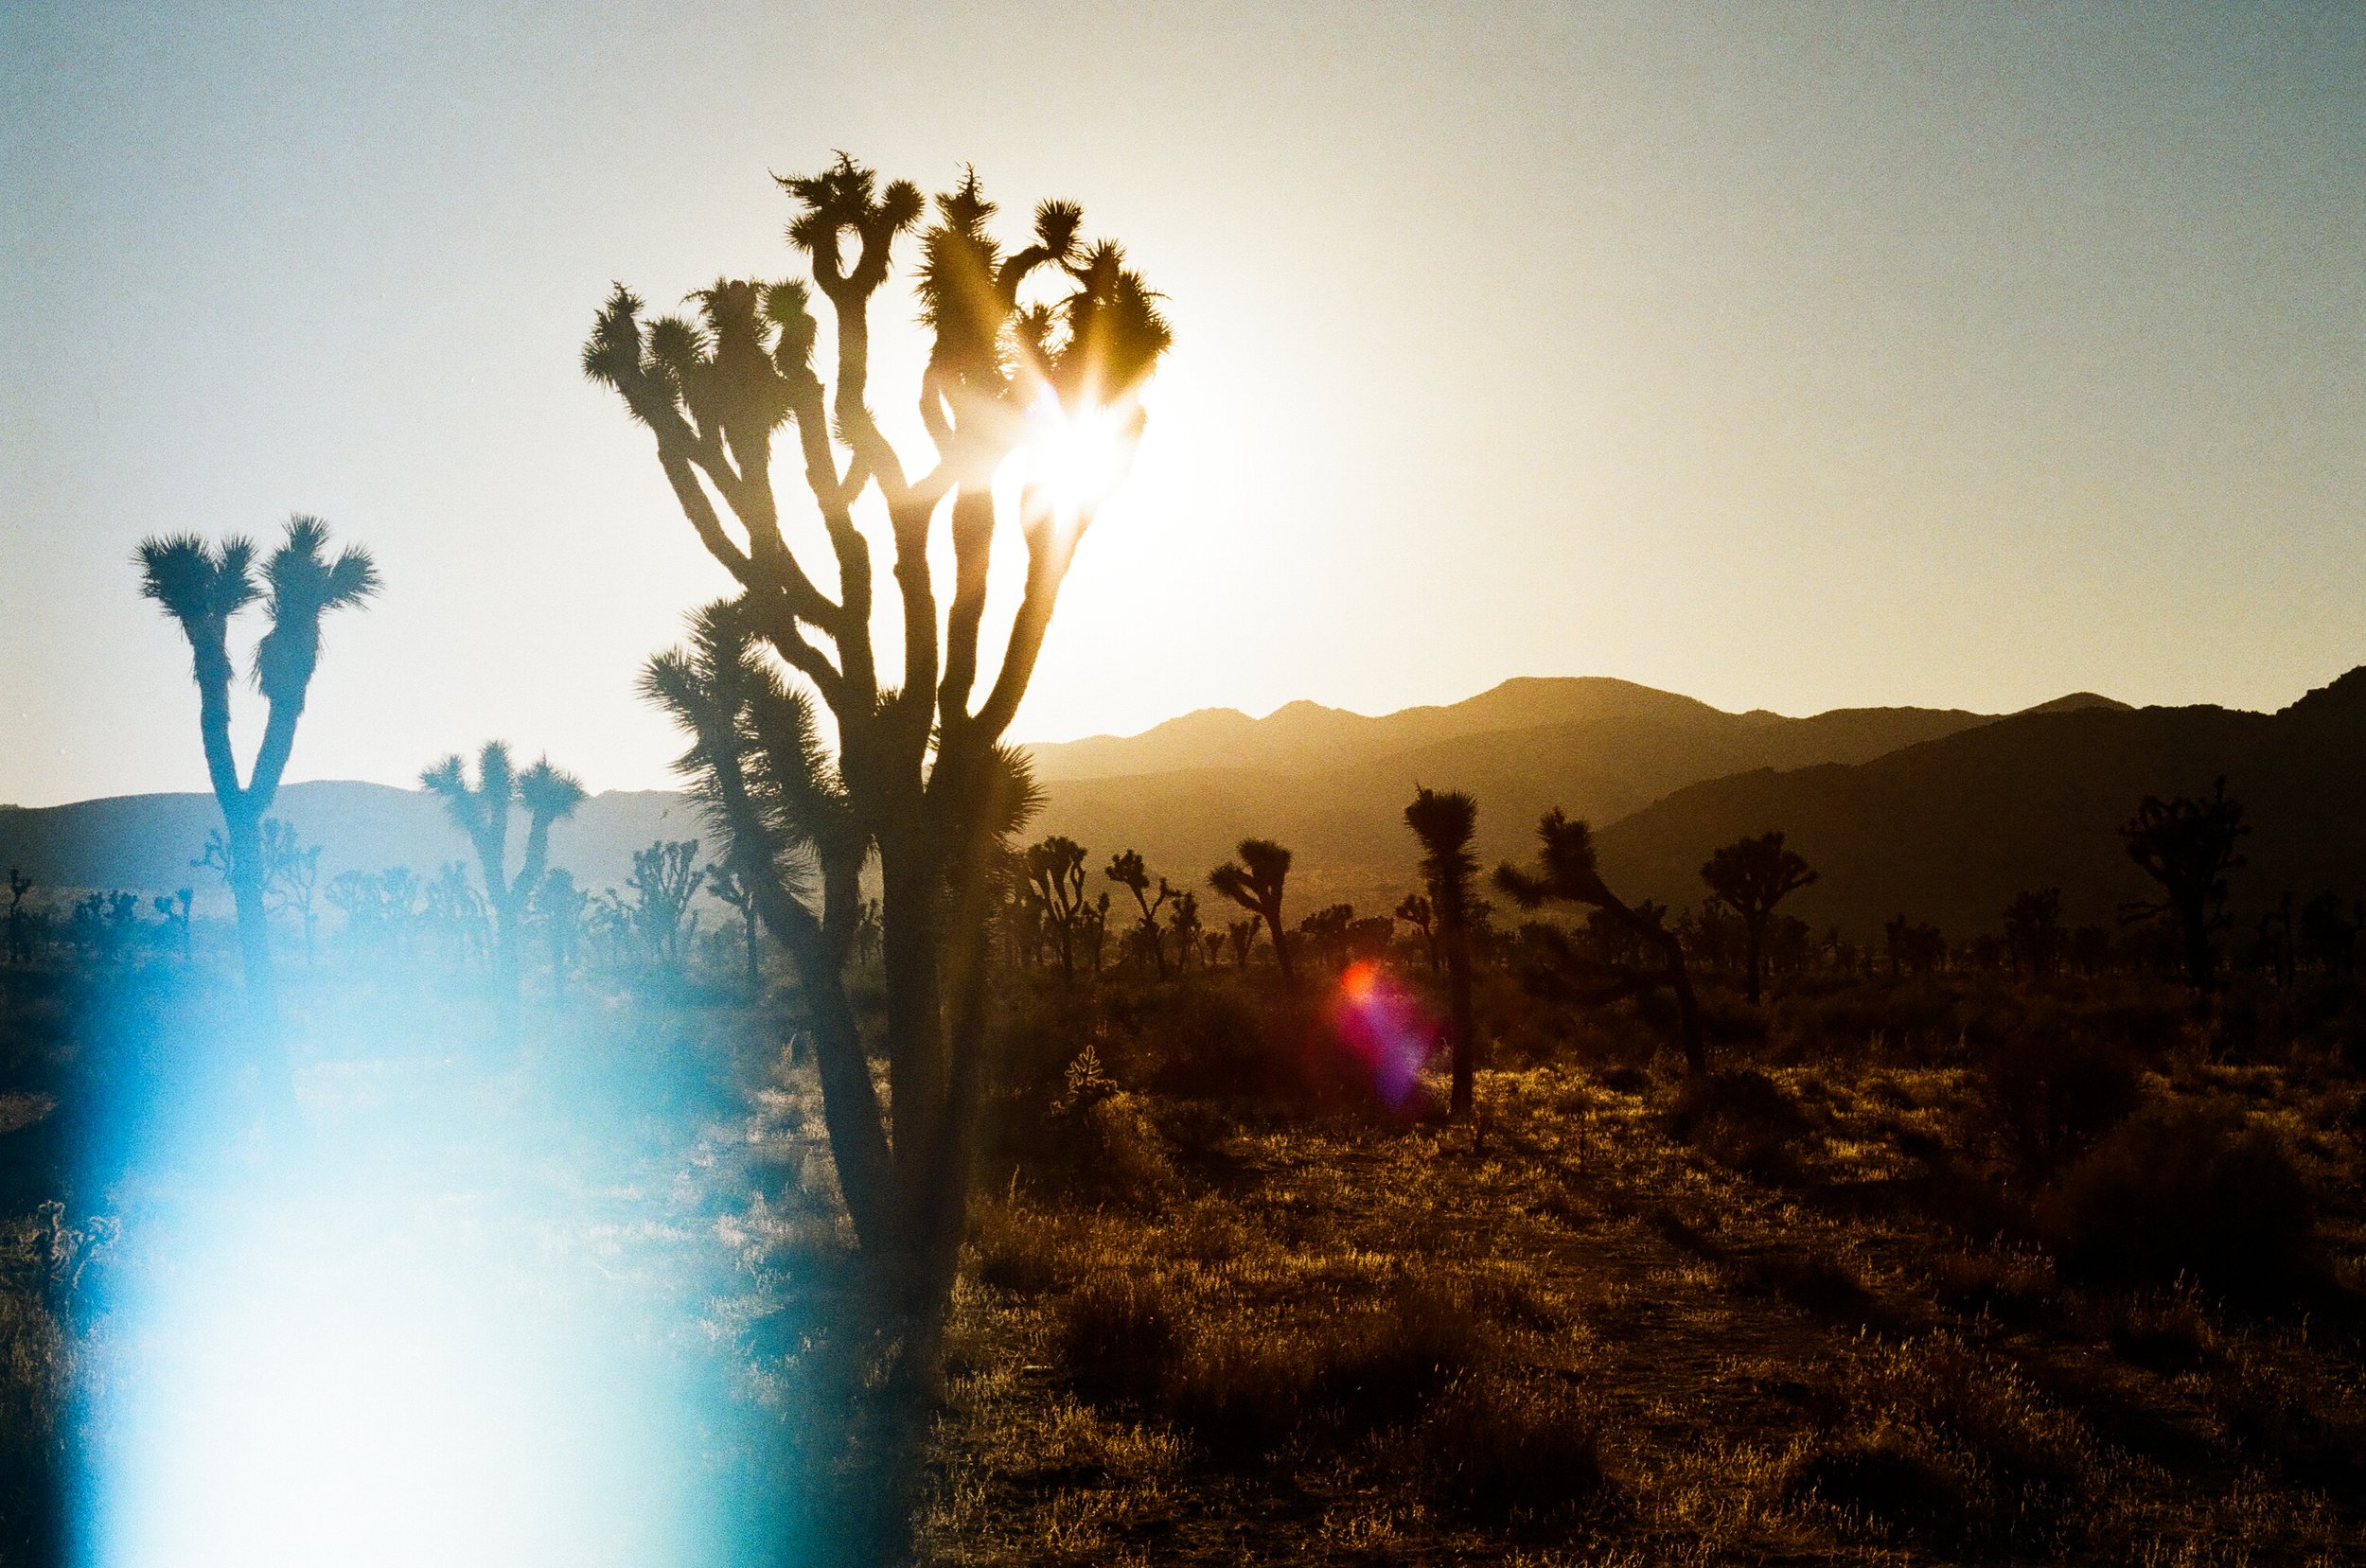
pixel 1956 1266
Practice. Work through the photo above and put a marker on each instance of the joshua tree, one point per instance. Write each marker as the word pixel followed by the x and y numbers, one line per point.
pixel 1255 882
pixel 1212 944
pixel 558 907
pixel 1415 910
pixel 175 910
pixel 2188 846
pixel 1127 871
pixel 1055 885
pixel 292 870
pixel 202 588
pixel 1750 876
pixel 920 776
pixel 1183 920
pixel 19 929
pixel 1242 935
pixel 1444 822
pixel 482 811
pixel 1326 933
pixel 665 878
pixel 724 882
pixel 1567 871
pixel 2328 931
pixel 2033 932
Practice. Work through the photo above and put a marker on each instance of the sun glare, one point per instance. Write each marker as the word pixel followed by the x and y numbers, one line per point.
pixel 1077 459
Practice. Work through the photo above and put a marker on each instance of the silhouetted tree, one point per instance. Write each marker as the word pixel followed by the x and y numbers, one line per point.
pixel 664 879
pixel 292 870
pixel 1912 948
pixel 2277 940
pixel 1326 935
pixel 1444 823
pixel 1183 920
pixel 1127 871
pixel 1415 910
pixel 2188 846
pixel 1256 882
pixel 1055 882
pixel 1750 877
pixel 2090 949
pixel 1242 935
pixel 202 588
pixel 2033 932
pixel 482 811
pixel 20 923
pixel 2328 931
pixel 724 882
pixel 173 909
pixel 559 912
pixel 1212 944
pixel 1567 871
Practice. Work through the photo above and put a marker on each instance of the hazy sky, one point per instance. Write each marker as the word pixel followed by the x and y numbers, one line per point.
pixel 1784 356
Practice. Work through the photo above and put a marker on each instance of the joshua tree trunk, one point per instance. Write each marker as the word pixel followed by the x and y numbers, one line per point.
pixel 919 776
pixel 1753 943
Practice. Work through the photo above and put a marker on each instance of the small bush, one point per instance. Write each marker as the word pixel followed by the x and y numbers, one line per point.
pixel 1240 1390
pixel 2008 1281
pixel 1505 1452
pixel 2166 1331
pixel 1894 1479
pixel 2055 1091
pixel 1740 1118
pixel 2185 1187
pixel 1117 1338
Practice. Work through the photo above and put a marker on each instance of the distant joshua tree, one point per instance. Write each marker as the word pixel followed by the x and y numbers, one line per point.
pixel 482 811
pixel 1750 876
pixel 1183 920
pixel 1256 882
pixel 1912 948
pixel 1127 871
pixel 291 872
pixel 559 912
pixel 724 884
pixel 20 926
pixel 1415 910
pixel 665 878
pixel 1055 885
pixel 1444 822
pixel 2328 932
pixel 1241 935
pixel 2033 932
pixel 173 909
pixel 1566 873
pixel 202 588
pixel 1212 944
pixel 2188 846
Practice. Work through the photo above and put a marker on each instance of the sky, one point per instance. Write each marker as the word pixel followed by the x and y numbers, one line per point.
pixel 1785 356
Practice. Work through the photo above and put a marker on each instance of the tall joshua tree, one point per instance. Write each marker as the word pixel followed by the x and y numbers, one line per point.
pixel 2188 846
pixel 1566 873
pixel 482 811
pixel 920 775
pixel 1444 822
pixel 1128 871
pixel 202 588
pixel 1255 881
pixel 1750 876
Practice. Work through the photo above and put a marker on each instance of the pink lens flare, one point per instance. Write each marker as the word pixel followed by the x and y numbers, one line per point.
pixel 1383 1028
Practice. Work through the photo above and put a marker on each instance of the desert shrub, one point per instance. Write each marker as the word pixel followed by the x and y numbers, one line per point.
pixel 1018 1250
pixel 2315 1432
pixel 1117 1337
pixel 1945 1447
pixel 2054 1090
pixel 1813 1282
pixel 2011 1282
pixel 2169 1330
pixel 1740 1118
pixel 1377 1363
pixel 1504 1452
pixel 1895 1480
pixel 1241 1388
pixel 2187 1188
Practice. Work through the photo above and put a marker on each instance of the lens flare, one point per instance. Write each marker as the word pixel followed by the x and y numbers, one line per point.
pixel 1076 458
pixel 1384 1029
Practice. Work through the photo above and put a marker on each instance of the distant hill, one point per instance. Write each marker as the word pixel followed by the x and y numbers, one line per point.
pixel 1950 829
pixel 1332 785
pixel 1938 813
pixel 146 842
